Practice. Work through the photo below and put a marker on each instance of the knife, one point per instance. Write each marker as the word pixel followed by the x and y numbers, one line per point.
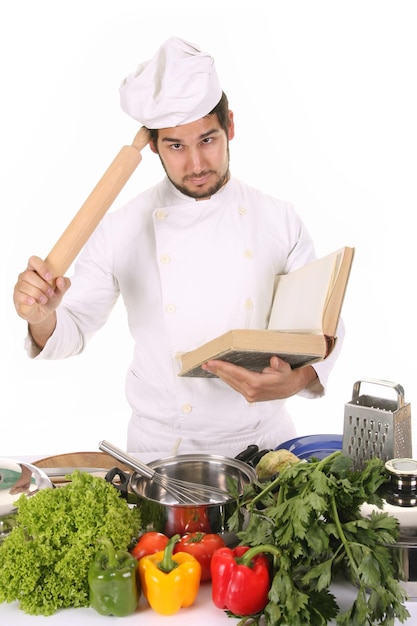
pixel 62 471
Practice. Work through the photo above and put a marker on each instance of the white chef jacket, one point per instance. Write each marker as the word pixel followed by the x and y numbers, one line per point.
pixel 187 271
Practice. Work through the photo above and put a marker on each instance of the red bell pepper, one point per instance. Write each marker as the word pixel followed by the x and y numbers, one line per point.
pixel 241 578
pixel 202 546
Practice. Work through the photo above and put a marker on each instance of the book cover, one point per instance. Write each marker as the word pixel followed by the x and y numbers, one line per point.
pixel 302 326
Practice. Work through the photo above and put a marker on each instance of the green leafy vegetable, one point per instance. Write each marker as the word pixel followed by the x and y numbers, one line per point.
pixel 44 561
pixel 311 513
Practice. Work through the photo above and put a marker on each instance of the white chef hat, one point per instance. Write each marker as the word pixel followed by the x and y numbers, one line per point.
pixel 177 86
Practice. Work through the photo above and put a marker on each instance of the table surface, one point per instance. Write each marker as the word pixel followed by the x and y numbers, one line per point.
pixel 203 610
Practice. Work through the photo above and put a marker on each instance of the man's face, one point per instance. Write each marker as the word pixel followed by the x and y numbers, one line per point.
pixel 195 156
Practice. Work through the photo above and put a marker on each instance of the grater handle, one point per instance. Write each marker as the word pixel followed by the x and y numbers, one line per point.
pixel 377 381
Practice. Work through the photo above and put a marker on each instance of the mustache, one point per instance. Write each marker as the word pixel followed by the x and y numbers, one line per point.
pixel 199 175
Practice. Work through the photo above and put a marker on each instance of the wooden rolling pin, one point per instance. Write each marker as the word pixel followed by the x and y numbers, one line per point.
pixel 94 208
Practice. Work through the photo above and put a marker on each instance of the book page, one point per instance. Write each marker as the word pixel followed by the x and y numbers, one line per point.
pixel 301 296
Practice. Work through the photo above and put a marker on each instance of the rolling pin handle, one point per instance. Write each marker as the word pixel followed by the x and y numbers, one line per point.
pixel 86 220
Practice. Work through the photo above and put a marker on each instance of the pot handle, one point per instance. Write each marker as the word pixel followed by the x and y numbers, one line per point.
pixel 122 483
pixel 247 453
pixel 251 455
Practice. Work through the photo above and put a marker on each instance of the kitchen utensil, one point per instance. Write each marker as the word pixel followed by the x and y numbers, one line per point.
pixel 404 550
pixel 77 460
pixel 17 478
pixel 404 556
pixel 58 466
pixel 401 489
pixel 169 517
pixel 375 426
pixel 183 491
pixel 54 472
pixel 252 455
pixel 92 211
pixel 317 446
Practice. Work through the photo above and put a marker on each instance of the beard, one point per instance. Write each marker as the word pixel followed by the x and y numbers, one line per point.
pixel 208 192
pixel 219 181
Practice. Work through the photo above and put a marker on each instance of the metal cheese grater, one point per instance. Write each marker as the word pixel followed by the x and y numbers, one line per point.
pixel 377 427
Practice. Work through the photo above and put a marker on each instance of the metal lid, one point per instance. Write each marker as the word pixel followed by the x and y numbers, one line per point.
pixel 17 478
pixel 402 467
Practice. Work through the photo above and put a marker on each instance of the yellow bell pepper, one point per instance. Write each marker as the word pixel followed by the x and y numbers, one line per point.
pixel 169 581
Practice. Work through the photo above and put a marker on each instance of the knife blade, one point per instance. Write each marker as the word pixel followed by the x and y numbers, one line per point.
pixel 62 471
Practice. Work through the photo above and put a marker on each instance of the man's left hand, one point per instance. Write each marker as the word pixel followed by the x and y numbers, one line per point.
pixel 278 381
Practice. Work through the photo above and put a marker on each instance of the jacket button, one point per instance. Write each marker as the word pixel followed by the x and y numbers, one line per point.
pixel 187 408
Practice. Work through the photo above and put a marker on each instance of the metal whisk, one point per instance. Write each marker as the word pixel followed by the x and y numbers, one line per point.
pixel 183 491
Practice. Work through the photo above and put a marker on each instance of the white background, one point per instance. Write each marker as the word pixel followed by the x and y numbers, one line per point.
pixel 325 102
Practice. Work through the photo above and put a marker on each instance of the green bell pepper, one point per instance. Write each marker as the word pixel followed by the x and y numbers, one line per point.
pixel 113 581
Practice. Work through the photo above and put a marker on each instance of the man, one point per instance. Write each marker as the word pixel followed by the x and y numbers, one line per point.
pixel 192 257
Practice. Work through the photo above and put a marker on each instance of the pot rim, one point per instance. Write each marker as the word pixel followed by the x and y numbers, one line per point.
pixel 198 456
pixel 247 472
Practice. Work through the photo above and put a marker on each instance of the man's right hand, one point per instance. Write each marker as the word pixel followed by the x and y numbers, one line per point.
pixel 36 295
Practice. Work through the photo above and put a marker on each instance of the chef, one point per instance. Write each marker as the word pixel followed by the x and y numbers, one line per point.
pixel 191 257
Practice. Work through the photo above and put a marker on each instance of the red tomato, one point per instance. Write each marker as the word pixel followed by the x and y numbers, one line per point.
pixel 149 543
pixel 201 546
pixel 187 519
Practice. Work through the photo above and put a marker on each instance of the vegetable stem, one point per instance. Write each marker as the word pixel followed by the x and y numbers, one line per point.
pixel 168 564
pixel 342 537
pixel 110 552
pixel 265 548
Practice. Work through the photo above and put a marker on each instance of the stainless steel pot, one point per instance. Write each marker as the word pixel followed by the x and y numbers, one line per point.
pixel 404 556
pixel 172 518
pixel 404 550
pixel 17 478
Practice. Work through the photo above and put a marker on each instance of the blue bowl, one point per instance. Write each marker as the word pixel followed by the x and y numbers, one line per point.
pixel 317 446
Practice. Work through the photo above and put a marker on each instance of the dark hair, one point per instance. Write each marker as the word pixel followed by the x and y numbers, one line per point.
pixel 221 110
